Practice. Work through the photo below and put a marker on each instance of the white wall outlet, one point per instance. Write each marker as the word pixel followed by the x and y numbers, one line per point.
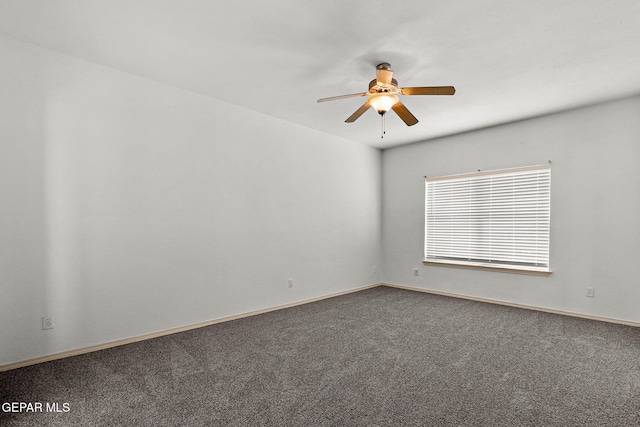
pixel 47 322
pixel 416 272
pixel 589 292
pixel 290 283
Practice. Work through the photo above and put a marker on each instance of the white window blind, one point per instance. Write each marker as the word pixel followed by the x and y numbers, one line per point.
pixel 494 218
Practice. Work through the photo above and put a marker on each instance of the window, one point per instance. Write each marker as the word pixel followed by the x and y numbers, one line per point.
pixel 495 219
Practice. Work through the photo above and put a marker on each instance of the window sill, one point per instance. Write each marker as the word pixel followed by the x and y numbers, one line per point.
pixel 486 267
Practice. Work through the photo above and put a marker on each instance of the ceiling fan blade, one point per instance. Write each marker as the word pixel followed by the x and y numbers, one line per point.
pixel 333 98
pixel 428 90
pixel 404 113
pixel 360 111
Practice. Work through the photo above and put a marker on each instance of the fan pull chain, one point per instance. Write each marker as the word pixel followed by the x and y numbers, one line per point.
pixel 383 125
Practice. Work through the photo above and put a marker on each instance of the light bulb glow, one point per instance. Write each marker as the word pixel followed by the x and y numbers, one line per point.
pixel 382 102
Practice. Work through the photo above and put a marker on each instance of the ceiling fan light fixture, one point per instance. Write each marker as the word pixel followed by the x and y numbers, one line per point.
pixel 382 102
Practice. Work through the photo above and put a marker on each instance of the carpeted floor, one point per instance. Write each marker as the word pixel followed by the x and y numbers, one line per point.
pixel 379 357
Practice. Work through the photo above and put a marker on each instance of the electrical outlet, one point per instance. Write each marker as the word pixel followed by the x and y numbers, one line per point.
pixel 416 272
pixel 47 322
pixel 590 292
pixel 291 283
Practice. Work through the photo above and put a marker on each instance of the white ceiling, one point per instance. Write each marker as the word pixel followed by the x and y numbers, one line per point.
pixel 508 59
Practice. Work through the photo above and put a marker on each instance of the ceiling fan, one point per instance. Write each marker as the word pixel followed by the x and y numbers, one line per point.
pixel 383 95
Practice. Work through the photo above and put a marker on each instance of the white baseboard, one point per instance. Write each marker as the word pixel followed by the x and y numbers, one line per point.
pixel 510 304
pixel 152 335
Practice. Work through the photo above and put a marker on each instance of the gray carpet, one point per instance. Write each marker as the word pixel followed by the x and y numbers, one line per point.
pixel 380 357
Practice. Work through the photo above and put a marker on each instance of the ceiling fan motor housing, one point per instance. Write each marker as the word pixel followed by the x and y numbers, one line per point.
pixel 375 86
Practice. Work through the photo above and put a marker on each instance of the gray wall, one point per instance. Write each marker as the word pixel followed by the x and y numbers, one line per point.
pixel 595 208
pixel 129 206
